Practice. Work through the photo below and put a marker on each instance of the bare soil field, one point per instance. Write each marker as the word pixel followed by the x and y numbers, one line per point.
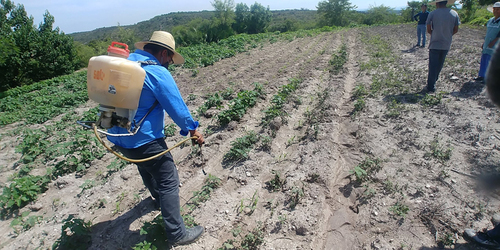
pixel 360 159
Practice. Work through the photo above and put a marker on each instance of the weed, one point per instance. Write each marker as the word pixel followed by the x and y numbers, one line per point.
pixel 76 234
pixel 276 184
pixel 252 204
pixel 399 209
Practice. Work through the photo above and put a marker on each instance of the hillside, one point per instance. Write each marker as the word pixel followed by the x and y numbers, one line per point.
pixel 166 22
pixel 354 157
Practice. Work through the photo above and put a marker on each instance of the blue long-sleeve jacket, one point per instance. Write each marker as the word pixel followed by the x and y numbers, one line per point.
pixel 422 17
pixel 158 85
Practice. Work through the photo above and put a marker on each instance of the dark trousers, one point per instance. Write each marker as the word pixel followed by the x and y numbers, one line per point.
pixel 436 62
pixel 160 177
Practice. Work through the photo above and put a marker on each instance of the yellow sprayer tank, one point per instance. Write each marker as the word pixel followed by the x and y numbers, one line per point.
pixel 115 81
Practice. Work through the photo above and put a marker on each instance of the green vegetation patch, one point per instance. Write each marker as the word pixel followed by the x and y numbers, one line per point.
pixel 238 106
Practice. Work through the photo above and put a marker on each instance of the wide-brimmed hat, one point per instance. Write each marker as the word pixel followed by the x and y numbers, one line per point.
pixel 164 39
pixel 448 2
pixel 495 5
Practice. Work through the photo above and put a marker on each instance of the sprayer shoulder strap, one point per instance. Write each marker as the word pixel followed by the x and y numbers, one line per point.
pixel 149 62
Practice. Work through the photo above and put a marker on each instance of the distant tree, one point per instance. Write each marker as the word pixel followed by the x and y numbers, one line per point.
pixel 222 21
pixel 486 2
pixel 335 12
pixel 30 54
pixel 260 17
pixel 380 15
pixel 190 34
pixel 242 18
pixel 469 8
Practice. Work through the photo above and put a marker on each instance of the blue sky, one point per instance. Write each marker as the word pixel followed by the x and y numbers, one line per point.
pixel 85 15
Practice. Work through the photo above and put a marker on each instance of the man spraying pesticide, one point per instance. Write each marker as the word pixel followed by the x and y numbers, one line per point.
pixel 134 94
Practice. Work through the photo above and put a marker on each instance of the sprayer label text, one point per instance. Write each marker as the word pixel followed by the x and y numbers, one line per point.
pixel 99 75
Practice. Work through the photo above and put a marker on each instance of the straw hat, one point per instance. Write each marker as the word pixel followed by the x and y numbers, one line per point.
pixel 164 39
pixel 448 2
pixel 496 5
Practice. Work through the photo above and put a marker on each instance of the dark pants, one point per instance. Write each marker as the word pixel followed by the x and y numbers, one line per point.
pixel 495 233
pixel 436 62
pixel 160 177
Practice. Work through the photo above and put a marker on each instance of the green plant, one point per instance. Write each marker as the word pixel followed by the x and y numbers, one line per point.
pixel 241 147
pixel 144 246
pixel 439 152
pixel 88 184
pixel 20 192
pixel 338 60
pixel 296 196
pixel 170 130
pixel 276 184
pixel 359 105
pixel 211 182
pixel 76 234
pixel 239 105
pixel 365 169
pixel 446 239
pixel 400 209
pixel 279 100
pixel 252 204
pixel 394 109
pixel 431 100
pixel 155 232
pixel 23 222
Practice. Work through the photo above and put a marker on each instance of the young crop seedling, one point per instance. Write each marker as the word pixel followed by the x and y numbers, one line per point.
pixel 241 147
pixel 338 60
pixel 23 222
pixel 365 169
pixel 238 106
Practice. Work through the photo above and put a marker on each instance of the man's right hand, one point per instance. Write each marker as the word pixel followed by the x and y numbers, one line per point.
pixel 200 140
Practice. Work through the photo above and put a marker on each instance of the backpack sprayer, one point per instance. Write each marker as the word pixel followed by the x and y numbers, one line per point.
pixel 116 83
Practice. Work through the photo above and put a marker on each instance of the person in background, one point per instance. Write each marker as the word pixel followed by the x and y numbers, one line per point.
pixel 491 38
pixel 442 24
pixel 490 238
pixel 159 94
pixel 421 28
